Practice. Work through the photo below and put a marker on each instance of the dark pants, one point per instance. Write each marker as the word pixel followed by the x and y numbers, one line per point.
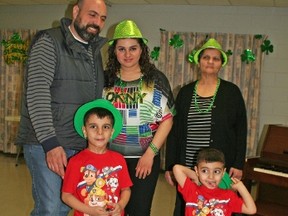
pixel 142 190
pixel 179 209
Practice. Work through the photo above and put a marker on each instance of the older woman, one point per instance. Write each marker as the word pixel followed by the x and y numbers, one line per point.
pixel 210 113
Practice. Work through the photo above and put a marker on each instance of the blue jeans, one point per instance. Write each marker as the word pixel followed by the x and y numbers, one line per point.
pixel 46 185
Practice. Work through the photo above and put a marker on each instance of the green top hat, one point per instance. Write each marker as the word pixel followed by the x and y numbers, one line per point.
pixel 212 44
pixel 127 29
pixel 102 103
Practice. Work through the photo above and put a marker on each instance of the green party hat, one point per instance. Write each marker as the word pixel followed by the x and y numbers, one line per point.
pixel 212 44
pixel 127 29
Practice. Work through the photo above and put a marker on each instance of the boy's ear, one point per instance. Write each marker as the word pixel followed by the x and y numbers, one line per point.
pixel 84 132
pixel 196 170
pixel 112 133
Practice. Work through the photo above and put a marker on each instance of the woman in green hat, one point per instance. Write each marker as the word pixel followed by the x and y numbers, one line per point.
pixel 210 113
pixel 143 95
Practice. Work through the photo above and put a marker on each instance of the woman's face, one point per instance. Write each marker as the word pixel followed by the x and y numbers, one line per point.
pixel 128 52
pixel 210 62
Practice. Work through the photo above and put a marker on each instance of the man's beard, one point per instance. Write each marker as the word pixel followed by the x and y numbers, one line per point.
pixel 83 33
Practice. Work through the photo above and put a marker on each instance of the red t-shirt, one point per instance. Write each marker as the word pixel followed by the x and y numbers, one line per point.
pixel 96 179
pixel 209 202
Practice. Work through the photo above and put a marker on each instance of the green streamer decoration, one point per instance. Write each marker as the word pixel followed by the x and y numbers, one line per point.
pixel 267 47
pixel 155 53
pixel 15 49
pixel 176 41
pixel 248 56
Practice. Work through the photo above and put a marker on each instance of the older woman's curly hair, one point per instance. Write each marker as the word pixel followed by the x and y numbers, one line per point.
pixel 113 66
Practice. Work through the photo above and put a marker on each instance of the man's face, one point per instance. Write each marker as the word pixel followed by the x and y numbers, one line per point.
pixel 89 18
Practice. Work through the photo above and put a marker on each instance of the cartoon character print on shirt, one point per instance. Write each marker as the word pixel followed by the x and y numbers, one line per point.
pixel 89 177
pixel 99 186
pixel 203 207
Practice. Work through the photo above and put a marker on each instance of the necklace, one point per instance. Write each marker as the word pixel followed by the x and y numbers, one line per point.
pixel 133 97
pixel 124 83
pixel 212 100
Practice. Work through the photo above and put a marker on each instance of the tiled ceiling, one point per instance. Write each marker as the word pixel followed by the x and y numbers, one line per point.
pixel 251 3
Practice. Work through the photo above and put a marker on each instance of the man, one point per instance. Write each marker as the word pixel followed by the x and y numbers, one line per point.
pixel 64 71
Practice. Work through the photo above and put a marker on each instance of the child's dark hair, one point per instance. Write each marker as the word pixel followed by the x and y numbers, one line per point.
pixel 100 112
pixel 210 155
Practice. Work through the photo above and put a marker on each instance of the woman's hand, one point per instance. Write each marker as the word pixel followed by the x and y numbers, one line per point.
pixel 235 173
pixel 144 166
pixel 170 178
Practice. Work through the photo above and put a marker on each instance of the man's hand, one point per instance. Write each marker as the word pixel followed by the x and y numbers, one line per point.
pixel 56 160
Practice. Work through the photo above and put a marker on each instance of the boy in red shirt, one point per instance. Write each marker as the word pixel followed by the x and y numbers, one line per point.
pixel 208 199
pixel 96 180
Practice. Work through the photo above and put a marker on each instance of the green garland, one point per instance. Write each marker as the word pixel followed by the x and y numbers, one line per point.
pixel 15 49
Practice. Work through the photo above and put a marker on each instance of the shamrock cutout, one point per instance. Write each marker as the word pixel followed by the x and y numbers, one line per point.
pixel 191 56
pixel 176 41
pixel 155 53
pixel 267 47
pixel 248 56
pixel 258 36
pixel 229 52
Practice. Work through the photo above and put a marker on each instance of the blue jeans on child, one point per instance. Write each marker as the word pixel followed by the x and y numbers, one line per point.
pixel 46 185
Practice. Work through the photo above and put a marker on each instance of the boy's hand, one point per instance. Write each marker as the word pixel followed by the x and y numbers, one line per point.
pixel 99 211
pixel 113 209
pixel 237 184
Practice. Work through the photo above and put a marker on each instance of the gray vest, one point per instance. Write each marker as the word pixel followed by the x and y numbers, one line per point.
pixel 75 82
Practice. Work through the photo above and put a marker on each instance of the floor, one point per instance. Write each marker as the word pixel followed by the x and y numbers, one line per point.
pixel 16 198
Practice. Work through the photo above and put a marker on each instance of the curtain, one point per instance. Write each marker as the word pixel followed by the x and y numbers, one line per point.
pixel 11 85
pixel 179 71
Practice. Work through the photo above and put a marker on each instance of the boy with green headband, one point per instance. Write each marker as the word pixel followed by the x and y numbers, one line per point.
pixel 97 181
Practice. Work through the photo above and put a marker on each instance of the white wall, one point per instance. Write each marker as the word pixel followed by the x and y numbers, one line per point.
pixel 269 21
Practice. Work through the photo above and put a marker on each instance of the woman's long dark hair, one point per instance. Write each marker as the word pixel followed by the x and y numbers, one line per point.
pixel 113 66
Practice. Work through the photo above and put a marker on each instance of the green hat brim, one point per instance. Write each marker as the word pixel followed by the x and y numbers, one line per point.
pixel 196 55
pixel 225 181
pixel 110 42
pixel 101 103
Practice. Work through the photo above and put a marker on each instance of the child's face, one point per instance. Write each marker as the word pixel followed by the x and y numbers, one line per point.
pixel 210 174
pixel 98 132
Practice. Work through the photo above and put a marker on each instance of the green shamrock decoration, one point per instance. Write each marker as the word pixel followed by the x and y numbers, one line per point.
pixel 191 56
pixel 248 56
pixel 229 53
pixel 176 41
pixel 155 53
pixel 267 47
pixel 258 36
